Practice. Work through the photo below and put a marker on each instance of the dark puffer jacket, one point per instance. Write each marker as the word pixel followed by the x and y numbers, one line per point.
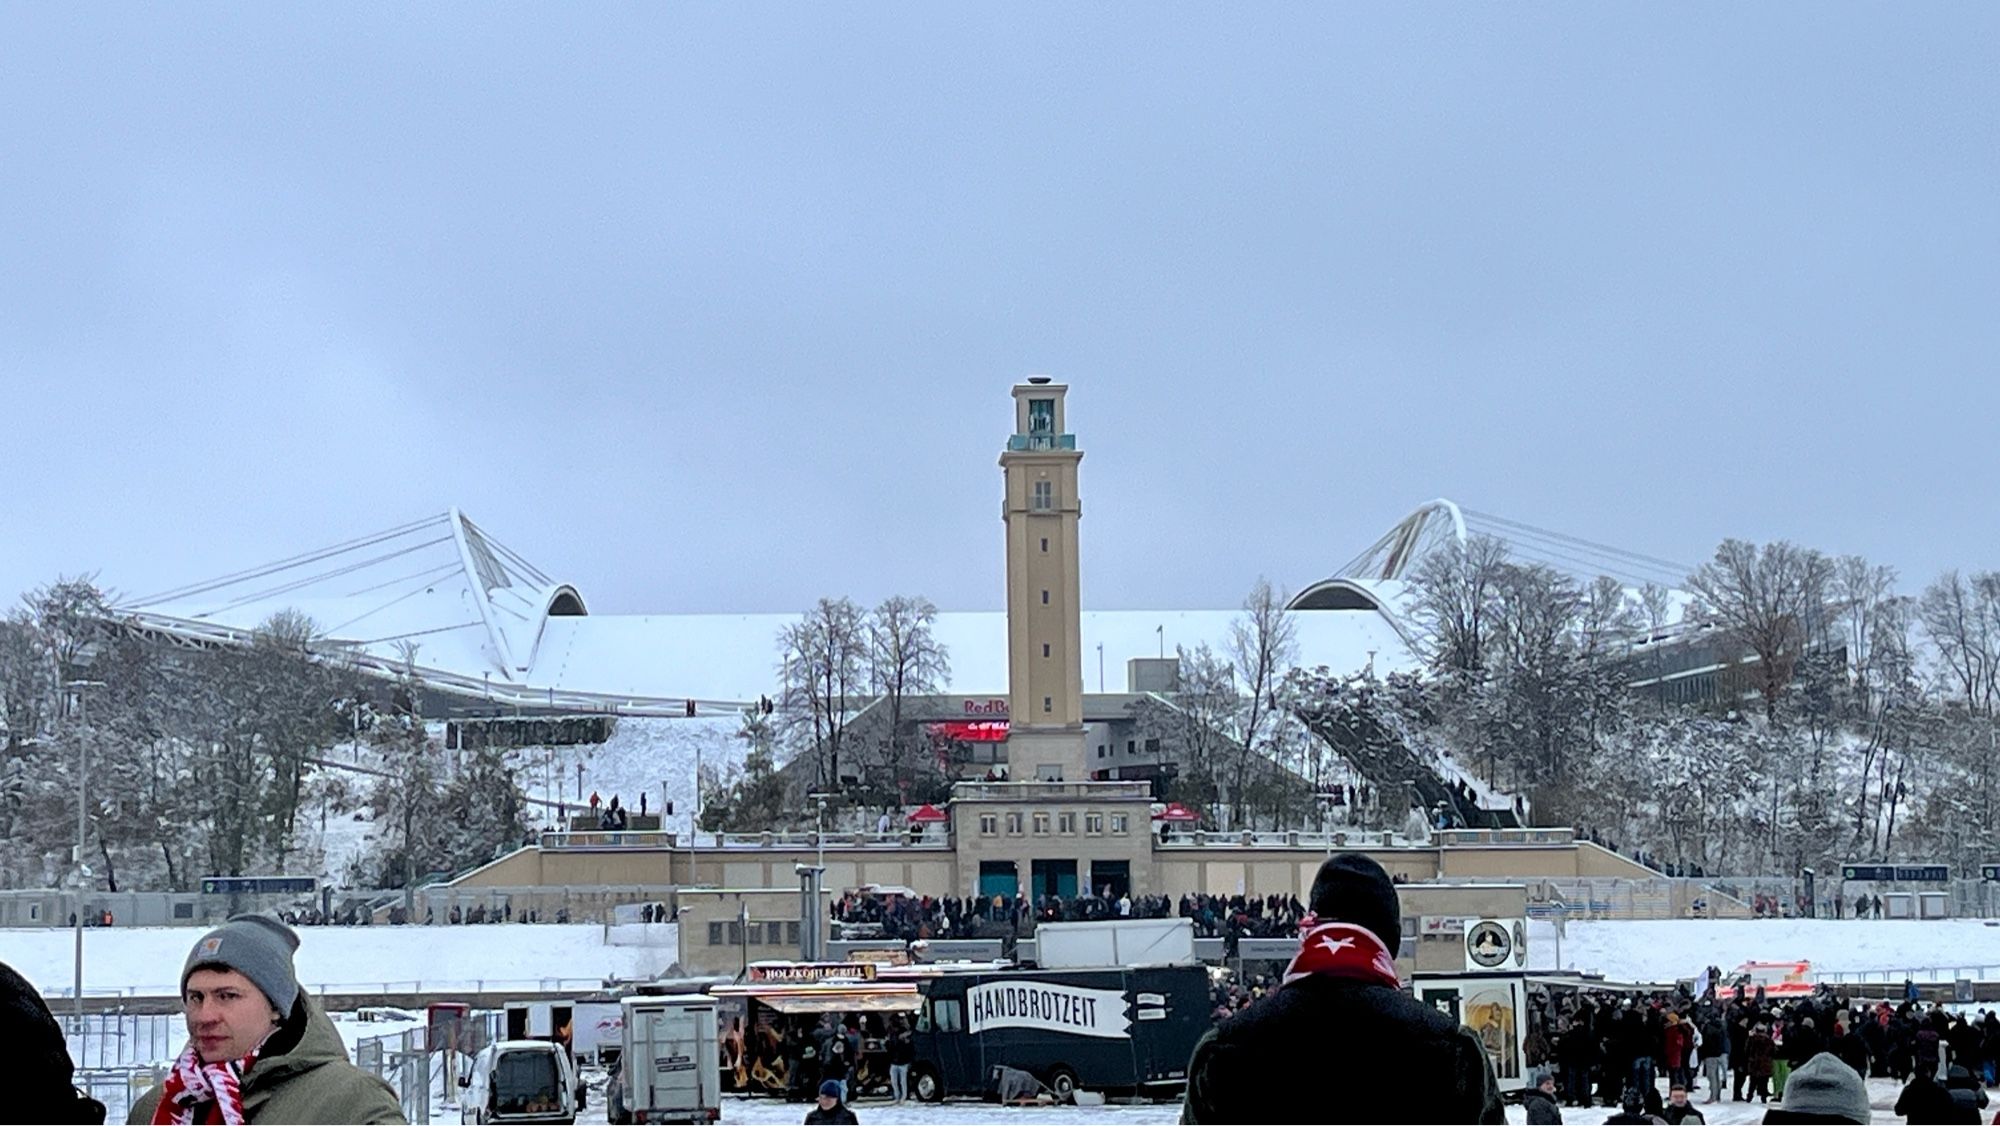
pixel 1322 1041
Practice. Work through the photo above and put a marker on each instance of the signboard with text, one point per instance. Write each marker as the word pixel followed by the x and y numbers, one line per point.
pixel 1911 873
pixel 259 885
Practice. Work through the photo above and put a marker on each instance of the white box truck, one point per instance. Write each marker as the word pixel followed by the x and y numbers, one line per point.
pixel 1115 942
pixel 670 1065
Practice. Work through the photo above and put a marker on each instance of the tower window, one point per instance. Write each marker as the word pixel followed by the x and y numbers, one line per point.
pixel 1045 648
pixel 1045 598
pixel 1045 499
pixel 1048 703
pixel 1045 545
pixel 1041 416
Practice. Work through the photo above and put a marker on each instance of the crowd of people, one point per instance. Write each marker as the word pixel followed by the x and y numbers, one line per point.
pixel 1600 1047
pixel 923 917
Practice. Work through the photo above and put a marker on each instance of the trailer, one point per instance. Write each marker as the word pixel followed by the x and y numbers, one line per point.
pixel 666 1065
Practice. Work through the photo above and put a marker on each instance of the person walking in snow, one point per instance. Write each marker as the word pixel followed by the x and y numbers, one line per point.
pixel 1340 1024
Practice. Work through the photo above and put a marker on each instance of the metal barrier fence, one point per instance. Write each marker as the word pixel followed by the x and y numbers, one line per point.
pixel 121 1040
pixel 419 1062
pixel 117 1087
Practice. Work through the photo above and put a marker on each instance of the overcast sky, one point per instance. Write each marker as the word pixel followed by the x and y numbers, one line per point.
pixel 716 307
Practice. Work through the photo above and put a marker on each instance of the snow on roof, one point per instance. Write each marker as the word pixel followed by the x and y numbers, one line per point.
pixel 481 618
pixel 735 656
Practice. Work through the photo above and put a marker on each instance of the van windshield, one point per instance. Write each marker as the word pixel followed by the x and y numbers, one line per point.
pixel 526 1083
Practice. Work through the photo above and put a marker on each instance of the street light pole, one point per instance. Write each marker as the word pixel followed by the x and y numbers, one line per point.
pixel 82 830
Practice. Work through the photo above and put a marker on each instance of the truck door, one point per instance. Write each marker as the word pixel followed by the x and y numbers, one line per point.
pixel 944 1046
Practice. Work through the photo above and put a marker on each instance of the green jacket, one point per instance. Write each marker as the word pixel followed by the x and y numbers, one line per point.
pixel 309 1081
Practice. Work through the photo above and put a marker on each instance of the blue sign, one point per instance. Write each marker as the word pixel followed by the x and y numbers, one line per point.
pixel 1989 872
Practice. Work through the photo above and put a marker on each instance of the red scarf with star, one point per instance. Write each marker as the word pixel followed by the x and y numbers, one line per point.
pixel 1341 950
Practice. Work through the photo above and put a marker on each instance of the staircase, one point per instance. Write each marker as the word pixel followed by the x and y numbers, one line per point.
pixel 1387 761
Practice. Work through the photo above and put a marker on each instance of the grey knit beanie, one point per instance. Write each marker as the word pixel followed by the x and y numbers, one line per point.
pixel 1823 1085
pixel 256 946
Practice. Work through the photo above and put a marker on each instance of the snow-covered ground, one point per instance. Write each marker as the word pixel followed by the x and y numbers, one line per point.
pixel 146 961
pixel 1670 949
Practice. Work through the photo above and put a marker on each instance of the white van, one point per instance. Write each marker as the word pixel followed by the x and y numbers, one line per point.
pixel 520 1081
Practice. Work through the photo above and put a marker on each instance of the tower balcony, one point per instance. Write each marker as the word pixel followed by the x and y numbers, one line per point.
pixel 1017 443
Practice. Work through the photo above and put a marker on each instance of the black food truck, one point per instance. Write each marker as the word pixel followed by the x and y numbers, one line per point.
pixel 1128 1029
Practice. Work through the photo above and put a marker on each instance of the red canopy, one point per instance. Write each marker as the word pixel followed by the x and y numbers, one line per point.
pixel 1175 811
pixel 929 814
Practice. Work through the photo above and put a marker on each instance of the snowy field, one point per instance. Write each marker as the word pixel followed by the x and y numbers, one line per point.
pixel 146 961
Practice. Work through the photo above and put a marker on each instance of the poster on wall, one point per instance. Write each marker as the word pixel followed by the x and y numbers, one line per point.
pixel 1490 1013
pixel 1492 1008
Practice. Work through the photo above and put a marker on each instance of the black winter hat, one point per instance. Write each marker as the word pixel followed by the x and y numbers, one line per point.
pixel 1351 888
pixel 40 1058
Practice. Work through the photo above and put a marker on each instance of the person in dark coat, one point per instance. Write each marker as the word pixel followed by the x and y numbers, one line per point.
pixel 1631 1110
pixel 1577 1048
pixel 830 1111
pixel 1539 1100
pixel 1967 1096
pixel 1758 1056
pixel 40 1087
pixel 1850 1047
pixel 1339 1028
pixel 1679 1109
pixel 1924 1103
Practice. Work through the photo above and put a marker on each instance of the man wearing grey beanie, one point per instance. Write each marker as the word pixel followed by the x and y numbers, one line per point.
pixel 1822 1089
pixel 259 1047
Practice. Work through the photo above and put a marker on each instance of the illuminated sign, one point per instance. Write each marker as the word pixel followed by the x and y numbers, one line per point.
pixel 972 730
pixel 812 971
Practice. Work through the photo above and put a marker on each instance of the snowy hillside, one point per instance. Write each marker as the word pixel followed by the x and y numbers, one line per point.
pixel 652 756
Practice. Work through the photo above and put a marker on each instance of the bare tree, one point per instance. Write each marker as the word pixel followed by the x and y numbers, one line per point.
pixel 824 677
pixel 1958 617
pixel 1454 591
pixel 904 660
pixel 1193 729
pixel 1262 647
pixel 1769 601
pixel 1861 588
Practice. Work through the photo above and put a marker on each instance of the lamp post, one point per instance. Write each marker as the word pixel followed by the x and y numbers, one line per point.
pixel 80 873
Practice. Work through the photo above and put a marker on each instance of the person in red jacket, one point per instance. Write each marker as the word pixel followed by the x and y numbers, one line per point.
pixel 1679 1051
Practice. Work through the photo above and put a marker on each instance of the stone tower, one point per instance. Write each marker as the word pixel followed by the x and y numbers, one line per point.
pixel 1045 739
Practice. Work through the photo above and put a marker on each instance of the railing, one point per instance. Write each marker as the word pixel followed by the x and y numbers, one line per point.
pixel 592 841
pixel 111 1041
pixel 1041 441
pixel 1910 973
pixel 397 986
pixel 1339 839
pixel 117 1087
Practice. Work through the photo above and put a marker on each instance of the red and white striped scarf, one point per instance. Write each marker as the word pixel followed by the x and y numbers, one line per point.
pixel 1341 950
pixel 193 1085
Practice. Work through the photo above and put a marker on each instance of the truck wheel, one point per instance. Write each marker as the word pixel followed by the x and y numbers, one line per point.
pixel 929 1088
pixel 1062 1081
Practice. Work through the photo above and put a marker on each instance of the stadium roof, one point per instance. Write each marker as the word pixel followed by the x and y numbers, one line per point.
pixel 475 618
